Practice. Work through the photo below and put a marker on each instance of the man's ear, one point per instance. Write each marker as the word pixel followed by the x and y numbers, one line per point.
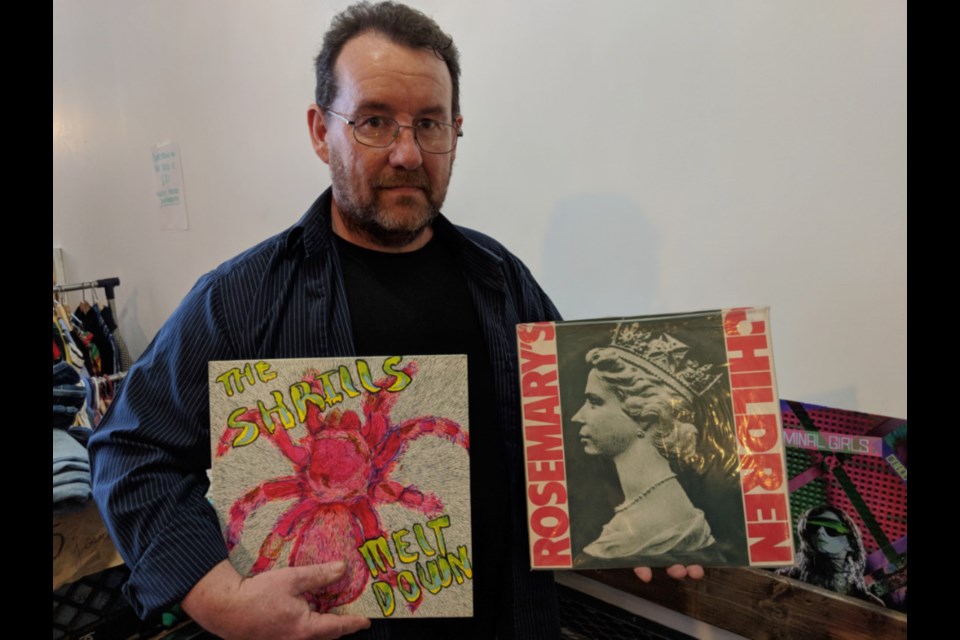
pixel 318 132
pixel 459 123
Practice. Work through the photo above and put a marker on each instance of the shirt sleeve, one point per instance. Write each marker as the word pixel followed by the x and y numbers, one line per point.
pixel 149 457
pixel 534 304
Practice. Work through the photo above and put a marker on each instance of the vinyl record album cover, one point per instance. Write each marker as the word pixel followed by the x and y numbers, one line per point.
pixel 848 494
pixel 654 440
pixel 364 460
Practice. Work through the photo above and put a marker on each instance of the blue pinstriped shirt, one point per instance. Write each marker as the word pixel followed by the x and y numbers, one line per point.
pixel 283 298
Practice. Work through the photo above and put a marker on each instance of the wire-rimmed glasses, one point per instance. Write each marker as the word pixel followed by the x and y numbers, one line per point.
pixel 380 131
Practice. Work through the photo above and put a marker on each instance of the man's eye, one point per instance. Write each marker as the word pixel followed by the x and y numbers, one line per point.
pixel 372 122
pixel 428 125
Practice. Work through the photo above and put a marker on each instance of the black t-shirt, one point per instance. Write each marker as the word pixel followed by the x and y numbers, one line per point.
pixel 418 303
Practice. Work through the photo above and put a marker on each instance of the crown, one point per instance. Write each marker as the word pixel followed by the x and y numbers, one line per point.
pixel 664 357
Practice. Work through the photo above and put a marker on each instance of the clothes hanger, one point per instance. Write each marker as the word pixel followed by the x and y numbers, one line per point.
pixel 84 305
pixel 61 310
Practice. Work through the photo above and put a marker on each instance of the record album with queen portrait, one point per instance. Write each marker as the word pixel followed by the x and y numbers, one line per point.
pixel 654 440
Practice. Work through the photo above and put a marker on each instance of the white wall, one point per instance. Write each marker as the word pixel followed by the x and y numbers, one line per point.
pixel 640 156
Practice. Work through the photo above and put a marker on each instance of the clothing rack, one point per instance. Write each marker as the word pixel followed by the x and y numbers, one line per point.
pixel 111 377
pixel 62 317
pixel 82 546
pixel 107 284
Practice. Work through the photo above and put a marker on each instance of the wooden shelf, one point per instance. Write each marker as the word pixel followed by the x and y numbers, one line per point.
pixel 761 604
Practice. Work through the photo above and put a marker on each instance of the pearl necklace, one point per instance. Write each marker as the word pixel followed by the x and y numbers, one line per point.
pixel 627 505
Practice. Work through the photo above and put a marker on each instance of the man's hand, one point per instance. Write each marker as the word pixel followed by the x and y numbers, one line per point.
pixel 269 605
pixel 677 572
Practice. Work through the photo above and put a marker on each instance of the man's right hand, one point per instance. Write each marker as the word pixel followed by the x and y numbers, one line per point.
pixel 677 572
pixel 269 605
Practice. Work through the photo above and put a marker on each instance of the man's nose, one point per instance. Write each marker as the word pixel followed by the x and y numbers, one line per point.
pixel 405 152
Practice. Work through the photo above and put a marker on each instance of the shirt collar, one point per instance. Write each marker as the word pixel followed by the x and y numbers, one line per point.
pixel 315 233
pixel 313 229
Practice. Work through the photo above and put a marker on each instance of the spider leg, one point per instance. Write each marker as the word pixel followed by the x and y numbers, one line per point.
pixel 434 425
pixel 397 439
pixel 277 434
pixel 278 489
pixel 390 492
pixel 298 455
pixel 375 428
pixel 230 435
pixel 315 420
pixel 289 526
pixel 367 518
pixel 382 402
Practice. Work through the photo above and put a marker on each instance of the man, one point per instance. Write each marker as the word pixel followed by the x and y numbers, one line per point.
pixel 386 121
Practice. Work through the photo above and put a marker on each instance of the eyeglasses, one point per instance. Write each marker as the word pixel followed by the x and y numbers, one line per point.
pixel 381 131
pixel 830 527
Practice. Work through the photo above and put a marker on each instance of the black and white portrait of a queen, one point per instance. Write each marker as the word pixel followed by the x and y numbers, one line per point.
pixel 654 446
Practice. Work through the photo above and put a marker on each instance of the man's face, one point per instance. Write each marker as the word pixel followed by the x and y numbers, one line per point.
pixel 385 198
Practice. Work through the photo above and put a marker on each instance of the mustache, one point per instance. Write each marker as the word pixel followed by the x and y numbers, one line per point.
pixel 417 179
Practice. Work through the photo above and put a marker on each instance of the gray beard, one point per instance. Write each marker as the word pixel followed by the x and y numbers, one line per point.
pixel 366 221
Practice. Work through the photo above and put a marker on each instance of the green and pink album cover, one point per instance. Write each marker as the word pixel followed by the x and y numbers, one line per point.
pixel 364 460
pixel 848 495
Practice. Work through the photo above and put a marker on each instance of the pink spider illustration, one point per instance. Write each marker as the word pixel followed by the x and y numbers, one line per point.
pixel 342 473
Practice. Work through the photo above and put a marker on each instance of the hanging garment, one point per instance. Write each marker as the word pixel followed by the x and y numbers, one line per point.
pixel 120 347
pixel 59 348
pixel 93 322
pixel 71 352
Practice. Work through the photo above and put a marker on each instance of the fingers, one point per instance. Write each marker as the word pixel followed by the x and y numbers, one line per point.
pixel 324 625
pixel 268 605
pixel 644 573
pixel 334 626
pixel 313 576
pixel 677 572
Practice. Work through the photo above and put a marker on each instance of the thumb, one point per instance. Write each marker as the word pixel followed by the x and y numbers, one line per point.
pixel 313 576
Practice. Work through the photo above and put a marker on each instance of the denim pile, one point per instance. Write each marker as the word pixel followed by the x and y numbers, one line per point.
pixel 71 465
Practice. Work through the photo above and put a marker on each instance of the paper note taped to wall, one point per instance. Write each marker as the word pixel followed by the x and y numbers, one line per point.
pixel 168 179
